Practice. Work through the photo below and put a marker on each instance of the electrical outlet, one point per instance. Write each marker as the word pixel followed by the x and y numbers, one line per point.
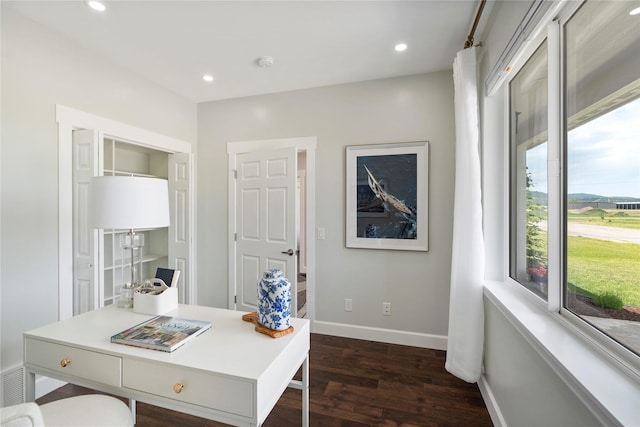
pixel 386 308
pixel 348 304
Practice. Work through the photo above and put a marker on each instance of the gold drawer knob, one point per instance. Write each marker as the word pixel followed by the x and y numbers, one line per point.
pixel 65 362
pixel 177 387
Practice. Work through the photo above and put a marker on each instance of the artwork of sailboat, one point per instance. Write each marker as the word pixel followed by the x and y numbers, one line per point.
pixel 388 199
pixel 387 196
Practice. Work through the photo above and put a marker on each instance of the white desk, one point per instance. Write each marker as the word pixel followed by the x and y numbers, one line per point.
pixel 230 373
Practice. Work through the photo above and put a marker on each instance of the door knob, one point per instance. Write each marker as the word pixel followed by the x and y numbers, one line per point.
pixel 289 252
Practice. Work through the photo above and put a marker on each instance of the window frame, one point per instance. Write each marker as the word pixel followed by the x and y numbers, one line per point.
pixel 552 30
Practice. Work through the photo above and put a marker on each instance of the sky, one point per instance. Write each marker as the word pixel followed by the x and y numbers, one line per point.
pixel 603 156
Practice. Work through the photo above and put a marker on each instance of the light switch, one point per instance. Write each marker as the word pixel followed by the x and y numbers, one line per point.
pixel 320 233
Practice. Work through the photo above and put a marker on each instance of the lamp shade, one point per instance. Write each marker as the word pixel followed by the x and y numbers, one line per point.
pixel 128 202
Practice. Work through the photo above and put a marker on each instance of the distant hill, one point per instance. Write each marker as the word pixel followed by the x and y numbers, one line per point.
pixel 584 197
pixel 541 198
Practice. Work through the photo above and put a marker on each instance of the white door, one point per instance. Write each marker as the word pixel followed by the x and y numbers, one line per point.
pixel 179 230
pixel 266 203
pixel 86 267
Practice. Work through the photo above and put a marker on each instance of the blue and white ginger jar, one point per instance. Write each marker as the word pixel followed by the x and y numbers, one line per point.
pixel 274 301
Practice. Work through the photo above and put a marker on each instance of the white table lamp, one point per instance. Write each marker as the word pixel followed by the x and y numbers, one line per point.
pixel 128 202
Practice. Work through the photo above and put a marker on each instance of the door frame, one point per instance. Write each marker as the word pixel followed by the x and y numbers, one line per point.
pixel 69 119
pixel 306 144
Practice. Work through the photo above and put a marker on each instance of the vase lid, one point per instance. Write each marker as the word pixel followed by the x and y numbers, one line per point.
pixel 273 273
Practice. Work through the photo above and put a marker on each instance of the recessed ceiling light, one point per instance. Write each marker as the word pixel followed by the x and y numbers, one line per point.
pixel 401 47
pixel 207 78
pixel 635 11
pixel 96 5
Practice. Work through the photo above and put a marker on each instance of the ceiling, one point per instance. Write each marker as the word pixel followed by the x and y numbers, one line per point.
pixel 313 43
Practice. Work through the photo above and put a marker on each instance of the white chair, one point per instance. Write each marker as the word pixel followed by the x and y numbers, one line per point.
pixel 93 410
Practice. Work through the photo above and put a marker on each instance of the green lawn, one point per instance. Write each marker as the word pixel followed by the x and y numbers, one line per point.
pixel 599 266
pixel 610 218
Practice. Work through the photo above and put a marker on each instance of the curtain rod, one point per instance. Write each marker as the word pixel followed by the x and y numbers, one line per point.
pixel 469 42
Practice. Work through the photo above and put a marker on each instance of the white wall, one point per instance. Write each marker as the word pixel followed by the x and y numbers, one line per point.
pixel 39 70
pixel 525 389
pixel 403 109
pixel 528 392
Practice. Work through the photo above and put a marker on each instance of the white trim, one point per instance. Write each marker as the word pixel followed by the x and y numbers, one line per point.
pixel 121 131
pixel 506 188
pixel 602 383
pixel 554 169
pixel 302 238
pixel 492 404
pixel 65 221
pixel 192 291
pixel 311 227
pixel 390 336
pixel 231 231
pixel 307 144
pixel 69 119
pixel 302 143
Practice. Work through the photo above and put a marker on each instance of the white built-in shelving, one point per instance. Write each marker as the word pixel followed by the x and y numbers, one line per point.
pixel 123 159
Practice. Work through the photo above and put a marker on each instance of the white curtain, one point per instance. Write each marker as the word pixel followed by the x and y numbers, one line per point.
pixel 466 313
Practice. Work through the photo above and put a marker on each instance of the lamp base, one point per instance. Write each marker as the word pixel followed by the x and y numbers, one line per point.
pixel 132 242
pixel 125 299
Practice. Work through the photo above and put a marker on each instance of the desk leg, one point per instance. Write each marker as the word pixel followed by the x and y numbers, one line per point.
pixel 30 386
pixel 132 408
pixel 305 392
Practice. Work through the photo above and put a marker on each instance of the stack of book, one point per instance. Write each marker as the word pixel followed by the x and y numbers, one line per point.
pixel 163 333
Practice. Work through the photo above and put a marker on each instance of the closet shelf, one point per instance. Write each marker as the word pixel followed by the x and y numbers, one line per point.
pixel 125 231
pixel 119 263
pixel 128 173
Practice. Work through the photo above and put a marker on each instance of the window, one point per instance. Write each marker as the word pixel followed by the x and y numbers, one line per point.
pixel 528 167
pixel 602 241
pixel 598 207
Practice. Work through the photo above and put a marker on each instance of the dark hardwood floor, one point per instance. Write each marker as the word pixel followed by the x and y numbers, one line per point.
pixel 355 383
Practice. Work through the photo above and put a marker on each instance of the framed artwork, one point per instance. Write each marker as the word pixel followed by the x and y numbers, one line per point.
pixel 387 196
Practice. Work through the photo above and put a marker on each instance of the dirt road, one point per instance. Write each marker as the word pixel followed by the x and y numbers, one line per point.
pixel 601 232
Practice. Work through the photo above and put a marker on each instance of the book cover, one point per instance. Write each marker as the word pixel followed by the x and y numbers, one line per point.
pixel 163 333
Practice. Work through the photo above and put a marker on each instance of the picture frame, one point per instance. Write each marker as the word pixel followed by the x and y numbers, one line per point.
pixel 387 200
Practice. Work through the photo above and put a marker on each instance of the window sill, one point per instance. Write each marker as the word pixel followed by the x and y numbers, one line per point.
pixel 606 386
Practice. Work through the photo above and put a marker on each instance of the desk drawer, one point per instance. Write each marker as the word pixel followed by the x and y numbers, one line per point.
pixel 84 364
pixel 208 390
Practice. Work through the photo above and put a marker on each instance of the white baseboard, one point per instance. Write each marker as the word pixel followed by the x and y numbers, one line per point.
pixel 490 401
pixel 391 336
